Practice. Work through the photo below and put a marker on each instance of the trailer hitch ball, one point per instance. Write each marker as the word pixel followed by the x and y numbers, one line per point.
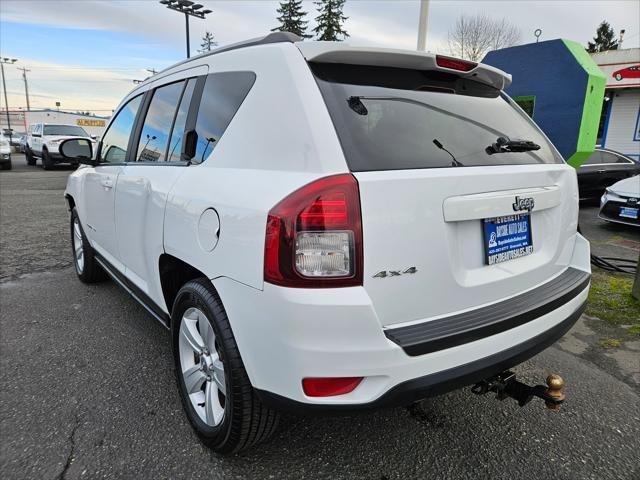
pixel 555 384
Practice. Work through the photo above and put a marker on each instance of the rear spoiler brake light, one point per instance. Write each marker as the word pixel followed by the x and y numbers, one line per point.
pixel 335 52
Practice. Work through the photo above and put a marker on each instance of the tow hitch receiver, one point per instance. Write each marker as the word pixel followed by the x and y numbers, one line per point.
pixel 505 385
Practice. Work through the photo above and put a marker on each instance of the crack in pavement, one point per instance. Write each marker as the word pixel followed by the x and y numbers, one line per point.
pixel 72 440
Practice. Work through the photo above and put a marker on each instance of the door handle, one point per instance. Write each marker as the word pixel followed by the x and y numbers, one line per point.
pixel 107 183
pixel 601 171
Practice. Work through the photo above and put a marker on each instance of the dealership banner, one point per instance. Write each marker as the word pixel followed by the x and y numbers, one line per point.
pixel 621 67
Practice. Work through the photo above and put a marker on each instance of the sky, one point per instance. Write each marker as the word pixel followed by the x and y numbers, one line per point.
pixel 86 54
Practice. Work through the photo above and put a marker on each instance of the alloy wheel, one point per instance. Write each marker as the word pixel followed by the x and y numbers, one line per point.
pixel 78 247
pixel 201 367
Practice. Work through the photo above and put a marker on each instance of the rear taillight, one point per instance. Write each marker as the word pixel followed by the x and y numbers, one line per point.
pixel 314 236
pixel 455 63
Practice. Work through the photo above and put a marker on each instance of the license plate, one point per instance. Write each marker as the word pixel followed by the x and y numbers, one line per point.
pixel 506 238
pixel 628 212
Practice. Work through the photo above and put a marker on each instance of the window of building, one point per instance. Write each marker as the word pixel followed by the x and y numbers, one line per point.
pixel 526 103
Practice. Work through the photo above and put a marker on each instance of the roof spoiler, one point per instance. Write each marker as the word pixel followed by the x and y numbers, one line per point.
pixel 332 52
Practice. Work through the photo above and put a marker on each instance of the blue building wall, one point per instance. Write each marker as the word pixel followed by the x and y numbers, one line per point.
pixel 550 72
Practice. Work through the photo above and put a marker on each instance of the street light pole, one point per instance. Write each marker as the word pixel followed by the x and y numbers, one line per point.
pixel 422 25
pixel 8 61
pixel 186 19
pixel 189 9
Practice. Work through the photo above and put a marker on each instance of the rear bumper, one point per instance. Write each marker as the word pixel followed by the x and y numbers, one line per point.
pixel 286 334
pixel 440 382
pixel 447 332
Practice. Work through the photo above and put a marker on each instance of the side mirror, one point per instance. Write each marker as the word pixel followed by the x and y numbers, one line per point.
pixel 79 150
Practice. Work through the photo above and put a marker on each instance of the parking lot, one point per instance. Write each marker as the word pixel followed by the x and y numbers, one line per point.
pixel 87 387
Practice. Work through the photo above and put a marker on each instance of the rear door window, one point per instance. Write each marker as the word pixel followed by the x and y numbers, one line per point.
pixel 177 134
pixel 156 130
pixel 221 98
pixel 394 119
pixel 594 159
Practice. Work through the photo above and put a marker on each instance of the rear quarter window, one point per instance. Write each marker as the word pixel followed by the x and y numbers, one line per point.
pixel 394 119
pixel 222 96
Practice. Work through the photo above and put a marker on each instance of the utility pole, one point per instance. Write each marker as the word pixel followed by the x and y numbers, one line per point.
pixel 422 25
pixel 189 9
pixel 152 71
pixel 26 86
pixel 8 61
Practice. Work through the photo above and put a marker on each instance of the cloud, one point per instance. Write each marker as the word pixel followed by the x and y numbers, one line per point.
pixel 150 35
pixel 75 86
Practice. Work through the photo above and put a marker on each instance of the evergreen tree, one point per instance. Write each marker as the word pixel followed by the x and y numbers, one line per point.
pixel 208 42
pixel 604 40
pixel 330 20
pixel 292 18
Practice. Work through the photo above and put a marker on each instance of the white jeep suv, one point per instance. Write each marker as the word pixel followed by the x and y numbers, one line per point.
pixel 44 139
pixel 324 227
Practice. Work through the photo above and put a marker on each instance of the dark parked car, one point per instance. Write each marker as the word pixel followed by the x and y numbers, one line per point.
pixel 602 169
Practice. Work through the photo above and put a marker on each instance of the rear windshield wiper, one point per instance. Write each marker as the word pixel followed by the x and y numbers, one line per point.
pixel 506 145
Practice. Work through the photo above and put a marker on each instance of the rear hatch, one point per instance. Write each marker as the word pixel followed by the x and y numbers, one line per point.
pixel 453 218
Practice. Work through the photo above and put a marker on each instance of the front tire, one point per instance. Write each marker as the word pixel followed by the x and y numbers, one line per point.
pixel 215 390
pixel 31 160
pixel 47 163
pixel 7 166
pixel 84 261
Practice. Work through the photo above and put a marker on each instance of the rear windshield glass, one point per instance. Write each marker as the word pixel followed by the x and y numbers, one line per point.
pixel 394 119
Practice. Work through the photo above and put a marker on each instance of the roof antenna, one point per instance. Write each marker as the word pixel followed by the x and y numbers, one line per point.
pixel 454 162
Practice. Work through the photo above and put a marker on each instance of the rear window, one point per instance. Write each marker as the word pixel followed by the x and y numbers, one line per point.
pixel 395 119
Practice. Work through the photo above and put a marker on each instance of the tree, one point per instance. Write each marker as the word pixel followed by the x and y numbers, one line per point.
pixel 473 36
pixel 604 40
pixel 292 18
pixel 330 20
pixel 208 42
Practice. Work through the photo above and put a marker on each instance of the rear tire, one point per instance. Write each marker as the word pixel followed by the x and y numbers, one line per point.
pixel 87 268
pixel 47 164
pixel 31 160
pixel 234 419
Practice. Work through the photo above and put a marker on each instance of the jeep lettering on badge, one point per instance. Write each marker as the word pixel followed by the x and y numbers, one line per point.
pixel 523 204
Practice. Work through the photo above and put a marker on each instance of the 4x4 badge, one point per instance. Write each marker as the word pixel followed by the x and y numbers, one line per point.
pixel 525 203
pixel 395 273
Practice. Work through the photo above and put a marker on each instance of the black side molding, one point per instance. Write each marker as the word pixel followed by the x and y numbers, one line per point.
pixel 137 294
pixel 467 327
pixel 436 383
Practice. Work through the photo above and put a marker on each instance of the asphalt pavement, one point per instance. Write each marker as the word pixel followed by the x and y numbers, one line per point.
pixel 87 389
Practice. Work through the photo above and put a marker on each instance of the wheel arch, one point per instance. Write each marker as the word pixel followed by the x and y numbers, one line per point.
pixel 174 273
pixel 71 203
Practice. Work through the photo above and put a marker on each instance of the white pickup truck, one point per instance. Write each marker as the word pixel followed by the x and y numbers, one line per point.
pixel 43 140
